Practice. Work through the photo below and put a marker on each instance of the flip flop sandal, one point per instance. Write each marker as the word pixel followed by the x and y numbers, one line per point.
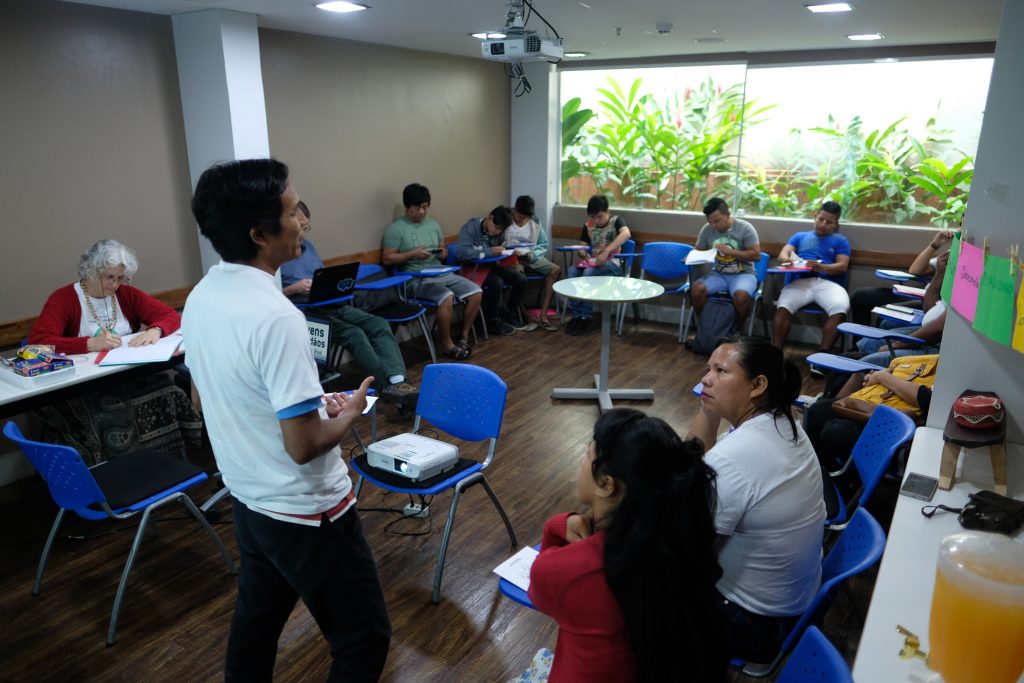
pixel 457 352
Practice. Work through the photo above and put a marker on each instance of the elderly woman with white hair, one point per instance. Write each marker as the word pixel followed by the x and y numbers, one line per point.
pixel 95 312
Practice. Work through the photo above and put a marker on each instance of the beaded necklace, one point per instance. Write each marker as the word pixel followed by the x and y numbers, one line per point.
pixel 109 322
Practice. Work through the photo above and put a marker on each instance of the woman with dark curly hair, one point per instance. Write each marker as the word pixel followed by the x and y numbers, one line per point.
pixel 631 582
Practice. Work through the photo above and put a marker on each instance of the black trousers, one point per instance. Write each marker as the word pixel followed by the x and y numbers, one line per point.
pixel 493 286
pixel 864 299
pixel 332 569
pixel 833 437
pixel 754 637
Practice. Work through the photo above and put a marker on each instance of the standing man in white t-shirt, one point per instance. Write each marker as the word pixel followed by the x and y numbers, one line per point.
pixel 276 443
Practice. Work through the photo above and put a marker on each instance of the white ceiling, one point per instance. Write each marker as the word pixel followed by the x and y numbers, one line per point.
pixel 612 29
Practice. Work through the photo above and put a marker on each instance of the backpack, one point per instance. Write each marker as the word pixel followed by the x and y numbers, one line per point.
pixel 716 322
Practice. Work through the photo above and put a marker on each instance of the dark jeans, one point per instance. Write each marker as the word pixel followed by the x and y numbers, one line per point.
pixel 370 340
pixel 332 569
pixel 493 287
pixel 754 637
pixel 864 299
pixel 833 437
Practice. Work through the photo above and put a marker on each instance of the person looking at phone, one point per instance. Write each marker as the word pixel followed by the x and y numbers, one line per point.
pixel 526 230
pixel 415 242
pixel 483 238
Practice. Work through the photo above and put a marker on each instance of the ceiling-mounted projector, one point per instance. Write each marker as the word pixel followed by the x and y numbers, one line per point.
pixel 527 46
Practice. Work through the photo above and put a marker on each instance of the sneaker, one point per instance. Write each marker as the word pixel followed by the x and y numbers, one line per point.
pixel 500 327
pixel 402 393
pixel 547 324
pixel 516 321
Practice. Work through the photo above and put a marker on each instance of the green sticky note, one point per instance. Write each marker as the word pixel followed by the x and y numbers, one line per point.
pixel 947 283
pixel 994 315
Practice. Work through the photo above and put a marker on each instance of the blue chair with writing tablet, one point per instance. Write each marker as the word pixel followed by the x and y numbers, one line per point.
pixel 141 481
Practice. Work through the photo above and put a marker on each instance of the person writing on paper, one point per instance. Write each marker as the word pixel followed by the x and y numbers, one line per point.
pixel 413 243
pixel 533 260
pixel 276 444
pixel 95 312
pixel 827 254
pixel 604 234
pixel 738 248
pixel 864 299
pixel 771 510
pixel 484 238
pixel 631 581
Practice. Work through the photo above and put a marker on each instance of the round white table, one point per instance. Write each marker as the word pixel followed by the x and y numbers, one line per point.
pixel 605 291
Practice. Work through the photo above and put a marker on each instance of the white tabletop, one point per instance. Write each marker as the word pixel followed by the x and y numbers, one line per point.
pixel 609 288
pixel 15 388
pixel 903 589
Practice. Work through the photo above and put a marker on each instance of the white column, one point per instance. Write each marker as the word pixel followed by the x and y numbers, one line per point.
pixel 970 360
pixel 218 54
pixel 536 140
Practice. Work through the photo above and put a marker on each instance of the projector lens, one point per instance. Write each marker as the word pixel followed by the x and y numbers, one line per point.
pixel 497 48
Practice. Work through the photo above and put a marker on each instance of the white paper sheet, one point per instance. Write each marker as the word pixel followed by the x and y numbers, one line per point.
pixel 133 355
pixel 893 313
pixel 516 569
pixel 699 256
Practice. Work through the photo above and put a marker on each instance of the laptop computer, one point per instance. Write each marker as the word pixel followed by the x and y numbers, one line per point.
pixel 329 284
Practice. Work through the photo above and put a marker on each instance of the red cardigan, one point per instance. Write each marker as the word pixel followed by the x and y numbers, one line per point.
pixel 61 317
pixel 567 583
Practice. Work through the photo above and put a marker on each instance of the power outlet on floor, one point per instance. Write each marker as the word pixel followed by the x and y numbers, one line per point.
pixel 416 510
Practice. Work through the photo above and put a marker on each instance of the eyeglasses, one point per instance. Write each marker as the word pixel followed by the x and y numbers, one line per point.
pixel 110 278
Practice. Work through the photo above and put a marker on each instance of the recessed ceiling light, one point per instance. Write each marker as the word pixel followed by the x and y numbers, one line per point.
pixel 708 40
pixel 489 35
pixel 866 36
pixel 886 60
pixel 830 7
pixel 341 7
pixel 576 54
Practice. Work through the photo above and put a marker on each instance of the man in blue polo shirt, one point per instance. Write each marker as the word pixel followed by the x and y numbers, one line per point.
pixel 827 254
pixel 275 442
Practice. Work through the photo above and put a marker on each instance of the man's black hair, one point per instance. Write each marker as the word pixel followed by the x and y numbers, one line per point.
pixel 716 204
pixel 597 204
pixel 415 194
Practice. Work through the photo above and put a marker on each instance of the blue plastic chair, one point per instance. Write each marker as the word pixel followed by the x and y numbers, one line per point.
pixel 883 435
pixel 666 261
pixel 761 272
pixel 137 482
pixel 467 402
pixel 815 660
pixel 398 312
pixel 858 548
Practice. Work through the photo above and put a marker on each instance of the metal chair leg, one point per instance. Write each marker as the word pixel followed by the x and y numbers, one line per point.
pixel 439 566
pixel 501 511
pixel 122 585
pixel 428 337
pixel 37 586
pixel 194 511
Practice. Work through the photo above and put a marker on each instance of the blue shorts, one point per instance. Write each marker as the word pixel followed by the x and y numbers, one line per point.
pixel 730 282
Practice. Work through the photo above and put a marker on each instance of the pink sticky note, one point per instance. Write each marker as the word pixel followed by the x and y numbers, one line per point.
pixel 968 276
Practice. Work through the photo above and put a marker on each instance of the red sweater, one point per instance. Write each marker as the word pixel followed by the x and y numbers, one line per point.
pixel 61 317
pixel 567 583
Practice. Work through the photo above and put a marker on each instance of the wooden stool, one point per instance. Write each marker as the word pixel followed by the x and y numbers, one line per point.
pixel 957 437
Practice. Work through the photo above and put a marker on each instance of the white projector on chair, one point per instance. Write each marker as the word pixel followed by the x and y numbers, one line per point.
pixel 413 456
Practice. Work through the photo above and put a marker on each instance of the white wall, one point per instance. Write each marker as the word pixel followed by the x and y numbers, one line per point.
pixel 970 360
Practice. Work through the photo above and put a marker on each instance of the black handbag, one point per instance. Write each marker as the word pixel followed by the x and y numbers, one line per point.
pixel 986 511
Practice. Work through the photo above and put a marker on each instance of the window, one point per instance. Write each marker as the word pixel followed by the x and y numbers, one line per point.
pixel 891 141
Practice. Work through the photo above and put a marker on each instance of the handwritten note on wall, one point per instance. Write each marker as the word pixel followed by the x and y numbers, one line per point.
pixel 994 314
pixel 969 268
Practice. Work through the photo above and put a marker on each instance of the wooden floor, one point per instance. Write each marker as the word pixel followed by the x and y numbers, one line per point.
pixel 175 620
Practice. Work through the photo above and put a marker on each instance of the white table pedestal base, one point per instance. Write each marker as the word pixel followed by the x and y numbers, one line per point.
pixel 601 392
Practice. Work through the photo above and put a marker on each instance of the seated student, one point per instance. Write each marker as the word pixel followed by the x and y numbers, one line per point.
pixel 526 229
pixel 834 436
pixel 771 509
pixel 930 330
pixel 738 249
pixel 414 242
pixel 94 314
pixel 367 337
pixel 605 234
pixel 827 254
pixel 864 299
pixel 631 581
pixel 484 237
